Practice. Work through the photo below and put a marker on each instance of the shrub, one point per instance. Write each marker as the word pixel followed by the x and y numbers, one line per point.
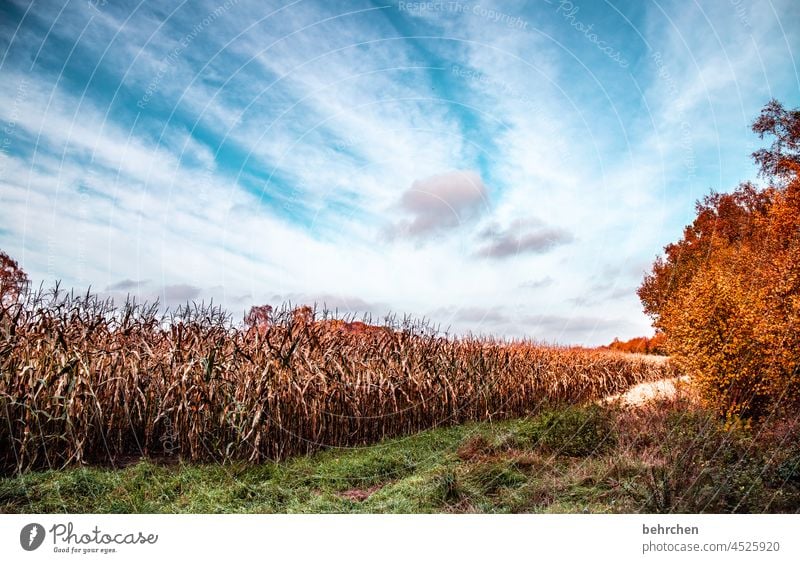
pixel 701 465
pixel 574 431
pixel 727 295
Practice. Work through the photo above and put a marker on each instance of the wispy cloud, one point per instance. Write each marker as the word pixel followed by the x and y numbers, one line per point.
pixel 511 161
pixel 521 237
pixel 126 285
pixel 537 283
pixel 180 292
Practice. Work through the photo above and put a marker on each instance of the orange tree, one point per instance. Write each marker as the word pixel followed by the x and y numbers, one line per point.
pixel 13 280
pixel 727 295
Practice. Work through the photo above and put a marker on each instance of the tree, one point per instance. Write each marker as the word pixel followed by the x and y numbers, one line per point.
pixel 727 295
pixel 723 221
pixel 259 316
pixel 782 158
pixel 639 345
pixel 13 280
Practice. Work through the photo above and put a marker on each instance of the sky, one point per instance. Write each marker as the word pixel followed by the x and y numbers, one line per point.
pixel 507 168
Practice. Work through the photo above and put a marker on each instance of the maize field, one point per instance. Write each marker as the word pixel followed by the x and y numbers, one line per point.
pixel 85 381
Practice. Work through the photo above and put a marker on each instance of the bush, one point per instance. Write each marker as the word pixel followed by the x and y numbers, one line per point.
pixel 574 431
pixel 702 465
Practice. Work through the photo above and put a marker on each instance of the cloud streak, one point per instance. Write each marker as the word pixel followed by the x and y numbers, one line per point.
pixel 521 237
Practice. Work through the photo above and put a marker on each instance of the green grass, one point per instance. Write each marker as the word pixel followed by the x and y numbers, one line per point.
pixel 574 459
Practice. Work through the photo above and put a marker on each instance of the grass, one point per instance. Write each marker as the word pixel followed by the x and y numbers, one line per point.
pixel 668 457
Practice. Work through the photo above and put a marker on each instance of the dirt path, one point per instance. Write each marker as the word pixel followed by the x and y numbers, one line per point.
pixel 646 392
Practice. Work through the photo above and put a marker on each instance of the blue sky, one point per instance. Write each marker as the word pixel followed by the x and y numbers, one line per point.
pixel 507 168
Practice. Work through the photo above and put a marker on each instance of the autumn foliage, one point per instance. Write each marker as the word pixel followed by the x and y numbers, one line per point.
pixel 13 280
pixel 727 295
pixel 640 345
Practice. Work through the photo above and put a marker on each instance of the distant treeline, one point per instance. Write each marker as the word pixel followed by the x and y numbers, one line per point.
pixel 641 345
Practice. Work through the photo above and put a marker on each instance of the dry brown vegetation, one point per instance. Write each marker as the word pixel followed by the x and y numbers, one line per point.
pixel 85 381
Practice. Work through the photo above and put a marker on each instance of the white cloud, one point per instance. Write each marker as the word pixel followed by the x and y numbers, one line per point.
pixel 441 202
